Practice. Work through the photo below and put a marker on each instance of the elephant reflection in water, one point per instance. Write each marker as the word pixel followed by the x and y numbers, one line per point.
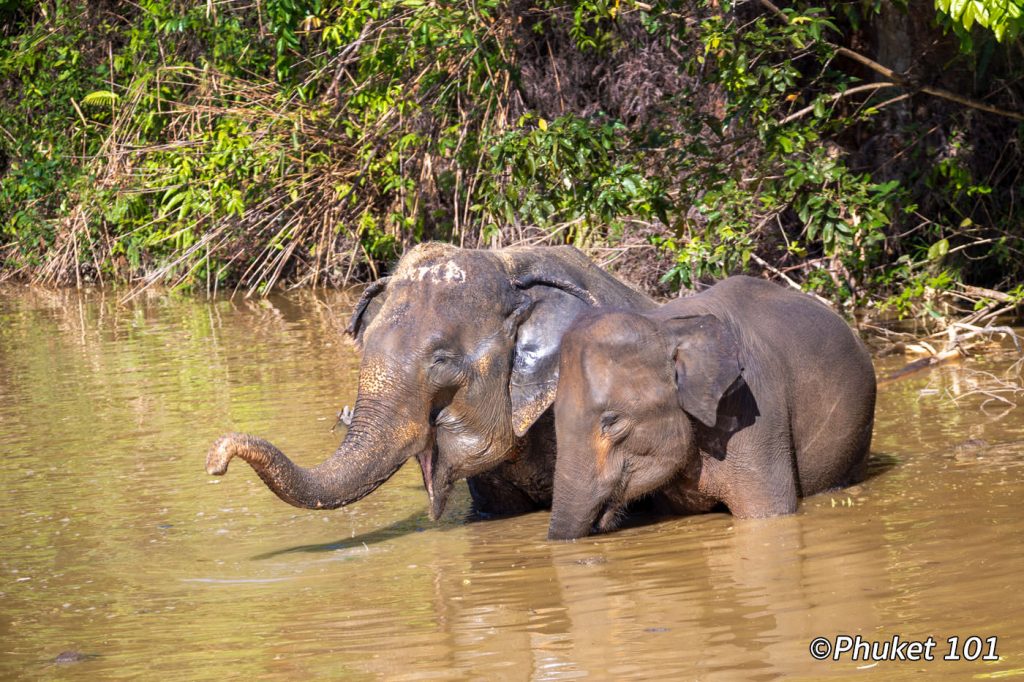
pixel 698 594
pixel 707 595
pixel 715 596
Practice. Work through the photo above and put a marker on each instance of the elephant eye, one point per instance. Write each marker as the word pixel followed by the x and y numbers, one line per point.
pixel 445 369
pixel 613 425
pixel 440 357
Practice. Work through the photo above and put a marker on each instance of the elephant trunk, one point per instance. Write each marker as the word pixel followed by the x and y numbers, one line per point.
pixel 566 525
pixel 363 461
pixel 573 513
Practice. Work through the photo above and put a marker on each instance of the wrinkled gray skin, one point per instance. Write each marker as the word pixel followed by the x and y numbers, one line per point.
pixel 746 394
pixel 460 364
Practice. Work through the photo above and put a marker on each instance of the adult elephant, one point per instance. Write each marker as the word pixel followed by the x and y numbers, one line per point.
pixel 459 368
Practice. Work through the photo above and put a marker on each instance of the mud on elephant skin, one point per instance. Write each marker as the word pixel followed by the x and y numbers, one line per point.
pixel 460 362
pixel 746 394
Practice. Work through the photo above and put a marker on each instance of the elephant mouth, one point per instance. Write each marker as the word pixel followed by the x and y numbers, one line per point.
pixel 426 460
pixel 435 480
pixel 607 517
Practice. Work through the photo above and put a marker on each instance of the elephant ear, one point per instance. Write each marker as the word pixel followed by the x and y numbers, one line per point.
pixel 366 309
pixel 707 366
pixel 546 310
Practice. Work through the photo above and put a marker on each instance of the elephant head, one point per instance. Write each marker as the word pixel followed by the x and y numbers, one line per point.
pixel 460 358
pixel 633 394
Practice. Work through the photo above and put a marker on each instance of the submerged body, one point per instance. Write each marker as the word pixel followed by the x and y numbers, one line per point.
pixel 746 394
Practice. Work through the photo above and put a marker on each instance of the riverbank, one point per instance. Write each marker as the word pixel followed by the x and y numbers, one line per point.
pixel 295 143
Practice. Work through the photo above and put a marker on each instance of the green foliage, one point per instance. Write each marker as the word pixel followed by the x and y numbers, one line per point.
pixel 591 25
pixel 568 171
pixel 799 189
pixel 312 141
pixel 228 160
pixel 1004 18
pixel 285 19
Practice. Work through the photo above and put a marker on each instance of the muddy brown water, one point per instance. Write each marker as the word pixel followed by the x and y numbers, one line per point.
pixel 116 547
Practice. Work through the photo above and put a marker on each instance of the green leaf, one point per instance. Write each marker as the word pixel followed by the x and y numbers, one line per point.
pixel 967 18
pixel 100 98
pixel 939 249
pixel 172 198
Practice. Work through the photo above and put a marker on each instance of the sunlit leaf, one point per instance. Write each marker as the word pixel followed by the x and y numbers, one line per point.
pixel 100 98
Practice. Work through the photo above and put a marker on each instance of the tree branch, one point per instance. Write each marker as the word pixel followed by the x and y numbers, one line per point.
pixel 838 96
pixel 900 79
pixel 787 279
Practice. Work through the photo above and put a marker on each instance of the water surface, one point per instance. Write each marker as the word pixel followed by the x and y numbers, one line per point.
pixel 115 544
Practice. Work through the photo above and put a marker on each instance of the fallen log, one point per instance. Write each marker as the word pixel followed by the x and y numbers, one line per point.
pixel 923 363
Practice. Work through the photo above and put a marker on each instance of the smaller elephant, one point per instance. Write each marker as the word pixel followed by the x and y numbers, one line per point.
pixel 746 394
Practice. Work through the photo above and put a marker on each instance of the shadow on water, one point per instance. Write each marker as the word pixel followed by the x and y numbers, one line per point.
pixel 878 464
pixel 416 522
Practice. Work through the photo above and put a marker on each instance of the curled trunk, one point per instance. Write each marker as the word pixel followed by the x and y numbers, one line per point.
pixel 360 465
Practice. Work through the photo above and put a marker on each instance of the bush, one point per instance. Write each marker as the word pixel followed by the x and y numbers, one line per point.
pixel 311 141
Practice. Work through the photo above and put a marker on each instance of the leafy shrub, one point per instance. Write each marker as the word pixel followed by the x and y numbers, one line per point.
pixel 311 141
